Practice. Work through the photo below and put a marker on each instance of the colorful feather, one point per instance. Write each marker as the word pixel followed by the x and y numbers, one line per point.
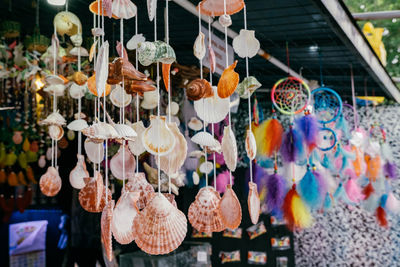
pixel 223 181
pixel 312 189
pixel 273 137
pixel 353 191
pixel 292 147
pixel 295 212
pixel 343 126
pixel 368 190
pixel 276 193
pixel 328 202
pixel 373 167
pixel 357 162
pixel 381 217
pixel 308 126
pixel 327 162
pixel 340 194
pixel 390 170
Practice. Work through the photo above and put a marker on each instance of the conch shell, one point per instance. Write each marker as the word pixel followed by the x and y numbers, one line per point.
pixel 228 82
pixel 50 182
pixel 229 209
pixel 160 228
pixel 198 89
pixel 203 212
pixel 253 203
pixel 158 139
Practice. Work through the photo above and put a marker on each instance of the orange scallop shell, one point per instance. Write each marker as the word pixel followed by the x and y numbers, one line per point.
pixel 203 212
pixel 228 82
pixel 93 7
pixel 91 83
pixel 106 234
pixel 229 209
pixel 215 8
pixel 92 197
pixel 50 182
pixel 253 203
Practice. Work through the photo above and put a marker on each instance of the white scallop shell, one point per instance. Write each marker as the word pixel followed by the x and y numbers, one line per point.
pixel 195 124
pixel 205 139
pixel 250 144
pixel 150 100
pixel 206 167
pixel 74 51
pixel 119 97
pixel 229 148
pixel 94 151
pixel 77 91
pixel 54 118
pixel 77 41
pixel 158 139
pixel 136 146
pixel 57 89
pixel 125 132
pixel 101 131
pixel 78 173
pixel 53 80
pixel 56 132
pixel 199 47
pixel 77 125
pixel 101 68
pixel 124 9
pixel 134 41
pixel 212 109
pixel 174 108
pixel 246 44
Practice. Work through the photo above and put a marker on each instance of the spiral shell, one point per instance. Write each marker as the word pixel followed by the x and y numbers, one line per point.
pixel 198 89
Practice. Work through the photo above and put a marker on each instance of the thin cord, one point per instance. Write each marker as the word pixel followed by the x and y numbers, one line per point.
pixel 353 96
pixel 137 95
pixel 320 69
pixel 168 89
pixel 122 109
pixel 158 107
pixel 209 45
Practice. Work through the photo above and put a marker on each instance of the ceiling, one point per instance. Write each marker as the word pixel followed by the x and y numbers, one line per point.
pixel 304 25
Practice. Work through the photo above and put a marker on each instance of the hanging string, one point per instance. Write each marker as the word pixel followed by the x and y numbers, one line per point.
pixel 168 87
pixel 212 124
pixel 158 107
pixel 79 106
pixel 353 96
pixel 248 92
pixel 137 95
pixel 122 109
pixel 54 142
pixel 287 58
pixel 66 5
pixel 320 69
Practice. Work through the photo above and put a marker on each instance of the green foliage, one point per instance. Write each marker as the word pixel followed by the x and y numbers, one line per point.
pixel 392 39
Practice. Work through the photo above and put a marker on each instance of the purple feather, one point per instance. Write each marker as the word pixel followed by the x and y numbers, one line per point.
pixel 292 146
pixel 308 126
pixel 390 170
pixel 322 186
pixel 276 193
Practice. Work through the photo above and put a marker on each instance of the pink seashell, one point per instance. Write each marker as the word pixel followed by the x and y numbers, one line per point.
pixel 229 209
pixel 253 203
pixel 124 213
pixel 117 160
pixel 106 234
pixel 138 183
pixel 107 7
pixel 78 173
pixel 160 228
pixel 92 197
pixel 211 58
pixel 203 212
pixel 251 146
pixel 229 148
pixel 172 162
pixel 94 151
pixel 50 182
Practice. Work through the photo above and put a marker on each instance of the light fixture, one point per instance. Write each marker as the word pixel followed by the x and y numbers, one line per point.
pixel 313 48
pixel 38 82
pixel 56 2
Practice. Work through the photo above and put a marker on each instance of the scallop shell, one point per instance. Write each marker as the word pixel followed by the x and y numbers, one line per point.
pixel 76 50
pixel 55 89
pixel 173 161
pixel 171 199
pixel 229 209
pixel 229 148
pixel 248 86
pixel 174 108
pixel 116 164
pixel 136 146
pixel 158 139
pixel 107 7
pixel 78 173
pixel 119 97
pixel 123 215
pixel 160 228
pixel 225 20
pixel 212 109
pixel 250 144
pixel 206 167
pixel 132 44
pixel 100 131
pixel 124 9
pixel 92 196
pixel 77 91
pixel 215 8
pixel 150 100
pixel 205 139
pixel 199 47
pixel 203 212
pixel 50 182
pixel 106 234
pixel 228 81
pixel 54 118
pixel 151 8
pixel 198 89
pixel 77 125
pixel 138 183
pixel 94 151
pixel 56 132
pixel 246 44
pixel 195 124
pixel 125 132
pixel 101 68
pixel 253 203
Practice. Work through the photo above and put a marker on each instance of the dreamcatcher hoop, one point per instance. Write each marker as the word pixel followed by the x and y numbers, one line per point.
pixel 290 95
pixel 326 101
pixel 332 135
